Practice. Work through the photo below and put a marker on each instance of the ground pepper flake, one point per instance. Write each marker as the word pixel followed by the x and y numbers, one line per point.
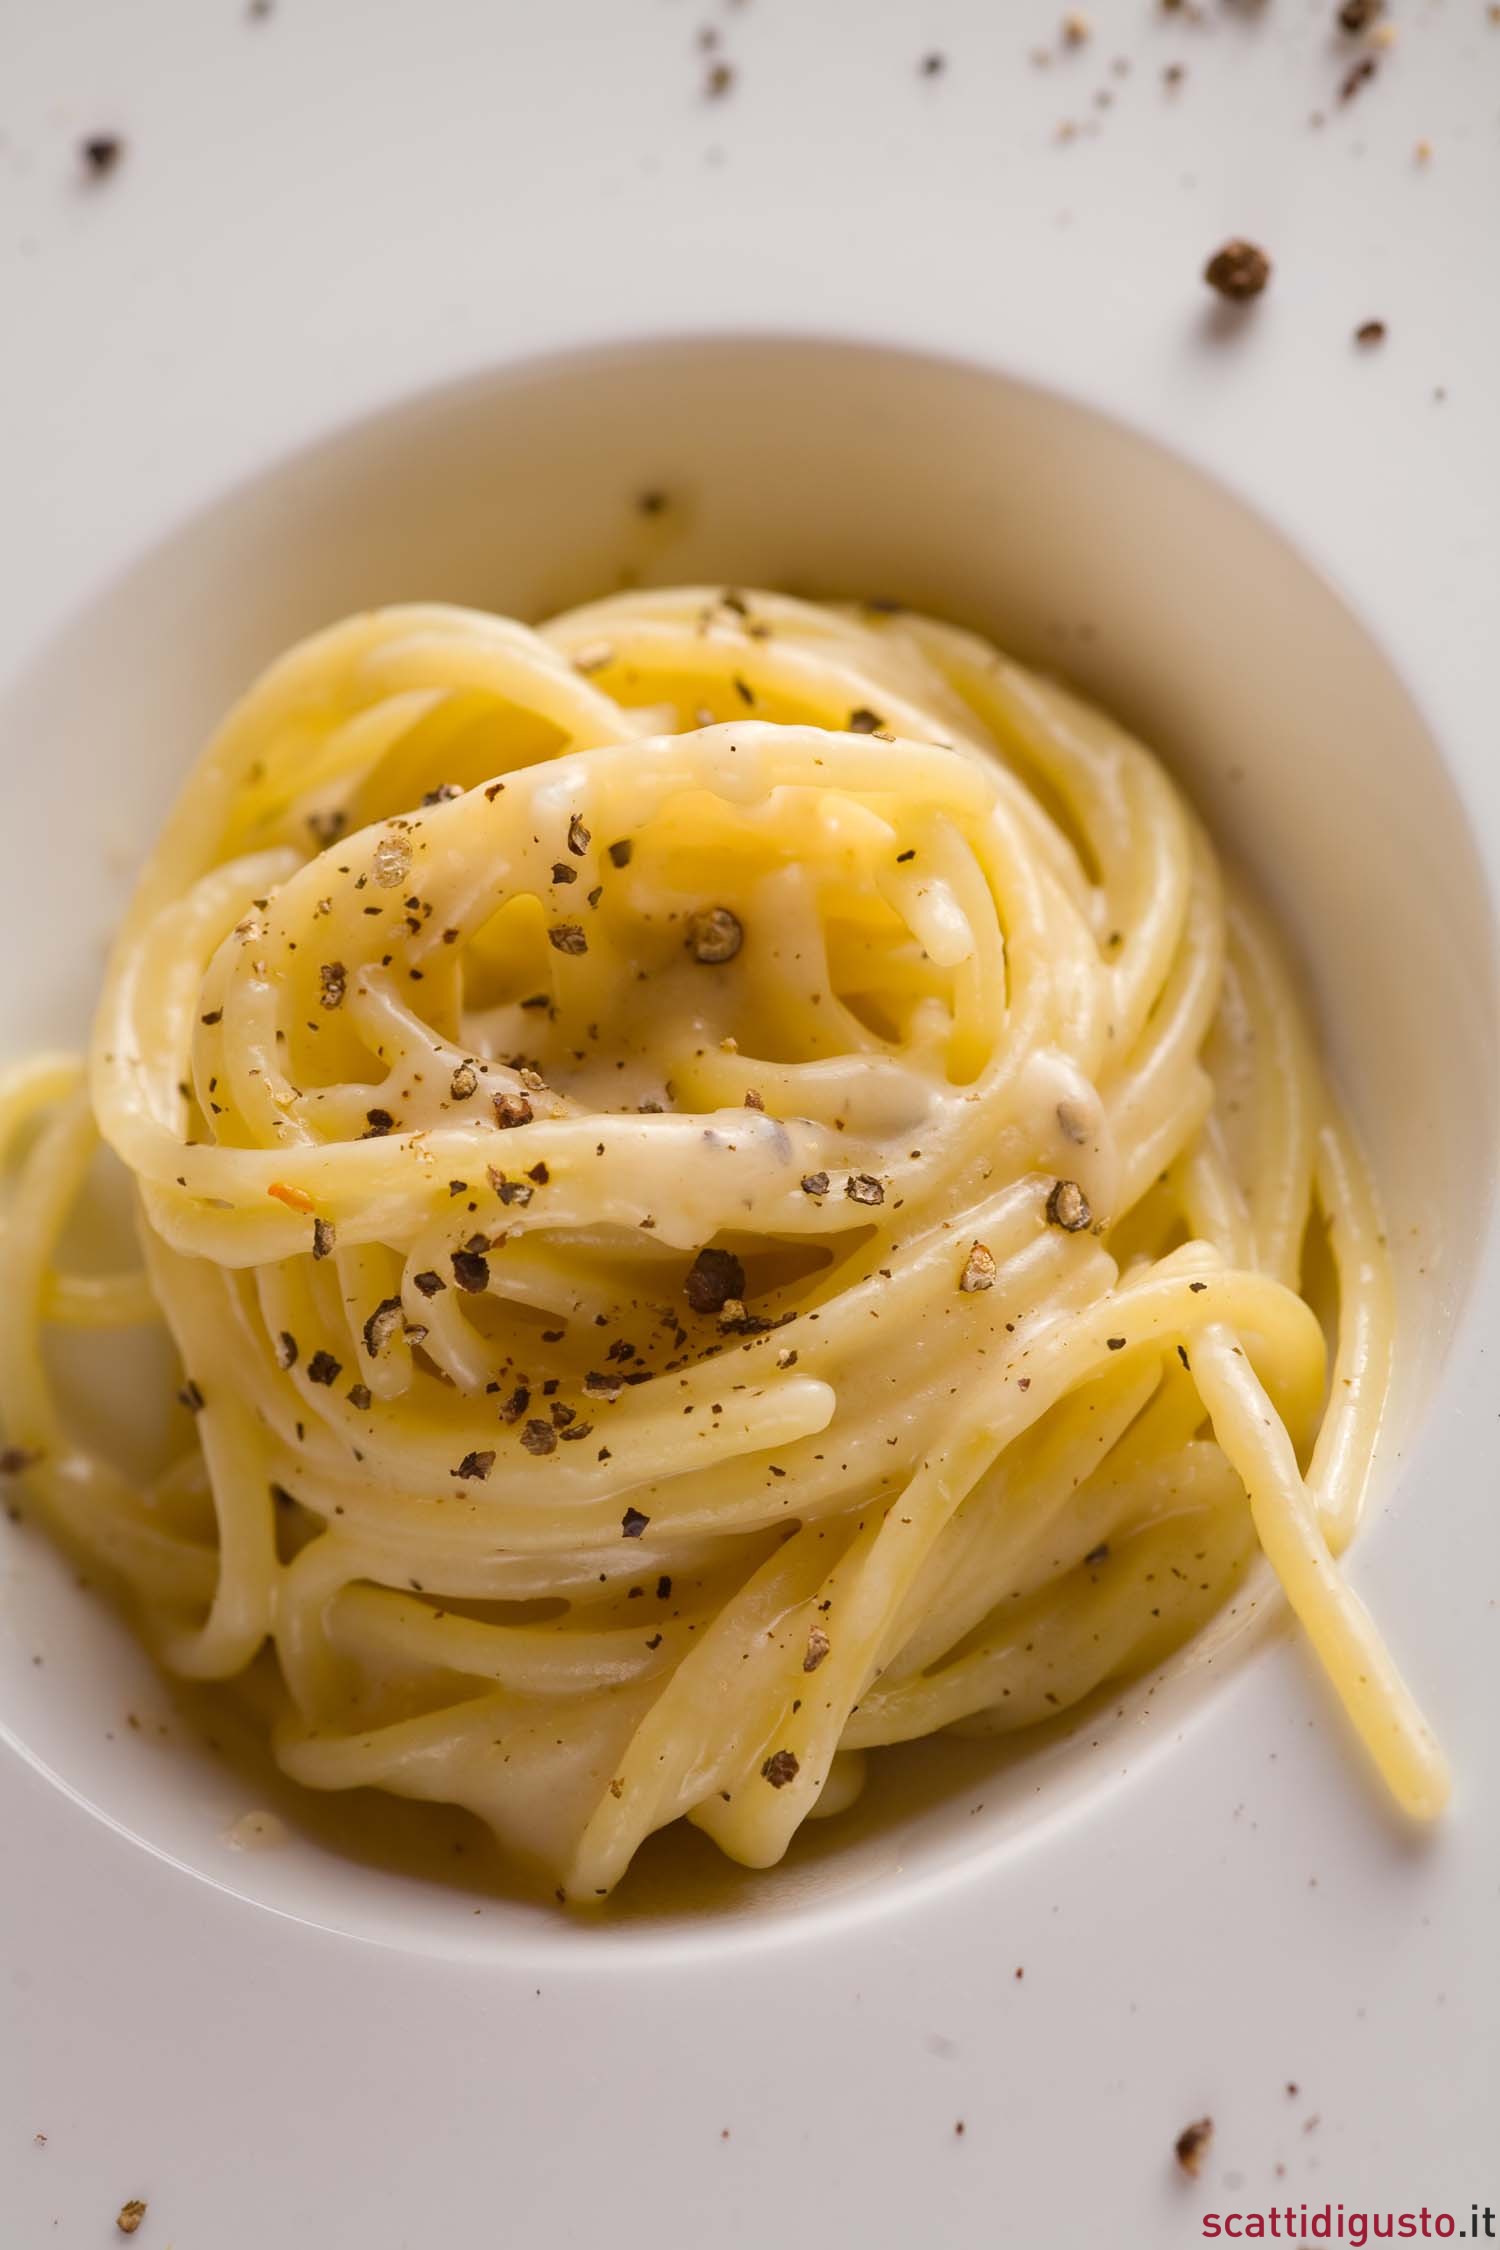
pixel 633 1523
pixel 863 1187
pixel 471 1270
pixel 1370 332
pixel 1357 15
pixel 568 937
pixel 323 1368
pixel 539 1437
pixel 1071 1125
pixel 621 853
pixel 865 721
pixel 780 1768
pixel 286 1350
pixel 716 85
pixel 323 1238
pixel 130 2215
pixel 714 1278
pixel 714 935
pixel 377 1122
pixel 1068 1207
pixel 382 1325
pixel 512 1109
pixel 428 1283
pixel 1238 271
pixel 475 1465
pixel 578 837
pixel 815 1183
pixel 360 1397
pixel 1359 75
pixel 464 1082
pixel 979 1269
pixel 818 1645
pixel 101 153
pixel 333 977
pixel 1192 2144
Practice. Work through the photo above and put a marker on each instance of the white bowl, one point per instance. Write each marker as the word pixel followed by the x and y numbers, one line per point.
pixel 900 476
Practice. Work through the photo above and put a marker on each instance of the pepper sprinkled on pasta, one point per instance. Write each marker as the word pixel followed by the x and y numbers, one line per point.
pixel 730 1183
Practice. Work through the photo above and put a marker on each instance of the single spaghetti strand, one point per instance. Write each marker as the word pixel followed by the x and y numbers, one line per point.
pixel 1335 1620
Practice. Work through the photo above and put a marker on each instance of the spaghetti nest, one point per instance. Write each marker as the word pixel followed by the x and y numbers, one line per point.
pixel 729 1191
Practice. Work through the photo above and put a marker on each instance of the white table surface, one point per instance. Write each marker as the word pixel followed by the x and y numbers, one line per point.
pixel 351 200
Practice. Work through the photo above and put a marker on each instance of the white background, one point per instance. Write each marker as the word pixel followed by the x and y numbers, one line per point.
pixel 326 210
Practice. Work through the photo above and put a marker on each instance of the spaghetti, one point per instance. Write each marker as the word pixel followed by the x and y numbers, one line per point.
pixel 731 1189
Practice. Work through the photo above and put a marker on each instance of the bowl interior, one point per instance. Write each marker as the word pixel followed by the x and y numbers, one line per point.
pixel 825 468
